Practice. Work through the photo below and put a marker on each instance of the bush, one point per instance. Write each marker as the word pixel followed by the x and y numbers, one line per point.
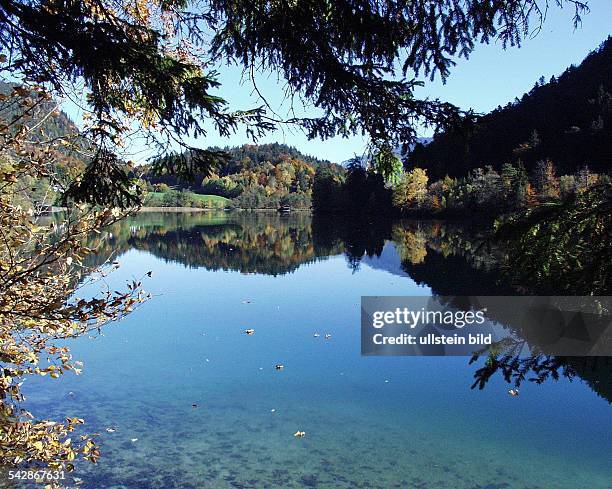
pixel 224 187
pixel 175 198
pixel 161 187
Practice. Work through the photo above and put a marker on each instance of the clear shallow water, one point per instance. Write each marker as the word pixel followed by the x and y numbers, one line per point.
pixel 370 422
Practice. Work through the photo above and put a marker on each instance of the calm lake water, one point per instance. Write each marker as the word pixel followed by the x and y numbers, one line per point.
pixel 386 422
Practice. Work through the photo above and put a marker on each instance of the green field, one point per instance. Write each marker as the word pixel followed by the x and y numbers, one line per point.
pixel 187 199
pixel 211 198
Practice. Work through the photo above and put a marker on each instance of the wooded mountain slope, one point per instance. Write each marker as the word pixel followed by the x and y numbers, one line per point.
pixel 567 120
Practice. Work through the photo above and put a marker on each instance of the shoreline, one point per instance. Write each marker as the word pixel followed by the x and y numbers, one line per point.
pixel 204 209
pixel 176 209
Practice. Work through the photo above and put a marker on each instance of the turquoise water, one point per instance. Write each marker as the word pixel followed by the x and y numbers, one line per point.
pixel 409 422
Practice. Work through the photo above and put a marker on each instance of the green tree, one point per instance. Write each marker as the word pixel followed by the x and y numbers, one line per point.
pixel 563 245
pixel 515 184
pixel 387 164
pixel 175 198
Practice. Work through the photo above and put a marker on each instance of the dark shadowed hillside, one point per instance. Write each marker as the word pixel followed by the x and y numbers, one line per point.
pixel 567 119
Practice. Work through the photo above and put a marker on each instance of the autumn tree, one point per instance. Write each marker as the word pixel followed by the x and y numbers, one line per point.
pixel 41 274
pixel 545 180
pixel 411 189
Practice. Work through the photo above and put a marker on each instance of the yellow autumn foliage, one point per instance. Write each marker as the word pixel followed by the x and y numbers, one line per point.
pixel 41 270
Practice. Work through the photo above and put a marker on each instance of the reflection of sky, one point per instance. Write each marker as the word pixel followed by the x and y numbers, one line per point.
pixel 186 346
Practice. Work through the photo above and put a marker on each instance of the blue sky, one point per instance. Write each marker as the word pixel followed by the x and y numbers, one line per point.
pixel 490 77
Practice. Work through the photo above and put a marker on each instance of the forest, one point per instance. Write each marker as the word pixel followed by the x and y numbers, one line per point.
pixel 553 143
pixel 567 120
pixel 253 176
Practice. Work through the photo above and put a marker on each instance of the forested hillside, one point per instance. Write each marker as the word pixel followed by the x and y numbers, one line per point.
pixel 567 120
pixel 253 176
pixel 56 126
pixel 18 107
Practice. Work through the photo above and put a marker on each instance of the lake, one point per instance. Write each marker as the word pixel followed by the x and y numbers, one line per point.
pixel 196 403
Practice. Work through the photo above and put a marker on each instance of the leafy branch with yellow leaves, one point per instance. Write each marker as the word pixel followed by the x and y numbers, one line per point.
pixel 41 273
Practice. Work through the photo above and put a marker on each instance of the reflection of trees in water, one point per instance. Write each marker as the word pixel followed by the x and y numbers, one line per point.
pixel 273 244
pixel 246 242
pixel 410 245
pixel 596 372
pixel 356 237
pixel 447 257
pixel 446 241
pixel 451 259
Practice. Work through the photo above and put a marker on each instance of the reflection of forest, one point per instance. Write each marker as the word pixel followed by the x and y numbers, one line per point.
pixel 447 257
pixel 595 372
pixel 264 243
pixel 450 258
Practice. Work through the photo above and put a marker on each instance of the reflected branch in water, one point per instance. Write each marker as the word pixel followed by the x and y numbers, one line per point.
pixel 596 372
pixel 515 370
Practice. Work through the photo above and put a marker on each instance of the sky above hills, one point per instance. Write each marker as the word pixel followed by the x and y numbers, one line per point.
pixel 491 77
